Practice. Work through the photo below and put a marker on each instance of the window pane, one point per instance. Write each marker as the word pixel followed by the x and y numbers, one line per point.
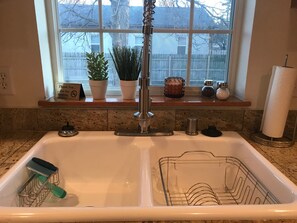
pixel 170 41
pixel 95 43
pixel 214 14
pixel 120 14
pixel 110 40
pixel 172 14
pixel 210 58
pixel 74 47
pixel 166 58
pixel 78 13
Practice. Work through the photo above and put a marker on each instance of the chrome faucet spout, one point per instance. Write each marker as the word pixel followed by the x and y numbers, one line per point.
pixel 144 114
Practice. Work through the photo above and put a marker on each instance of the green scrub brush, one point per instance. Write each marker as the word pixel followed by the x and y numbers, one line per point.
pixel 56 190
pixel 43 171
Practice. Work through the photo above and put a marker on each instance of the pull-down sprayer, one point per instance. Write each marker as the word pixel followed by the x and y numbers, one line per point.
pixel 144 114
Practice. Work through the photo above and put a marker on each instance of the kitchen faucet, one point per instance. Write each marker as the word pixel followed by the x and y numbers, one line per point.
pixel 144 114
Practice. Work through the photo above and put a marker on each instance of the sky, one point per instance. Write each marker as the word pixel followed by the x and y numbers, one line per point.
pixel 139 2
pixel 132 2
pixel 210 3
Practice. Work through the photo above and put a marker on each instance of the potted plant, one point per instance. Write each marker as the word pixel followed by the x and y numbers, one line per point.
pixel 98 74
pixel 127 62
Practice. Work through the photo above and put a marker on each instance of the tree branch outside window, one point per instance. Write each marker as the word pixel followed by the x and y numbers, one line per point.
pixel 209 35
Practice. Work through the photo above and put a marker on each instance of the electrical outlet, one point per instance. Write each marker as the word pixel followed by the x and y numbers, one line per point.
pixel 295 91
pixel 6 86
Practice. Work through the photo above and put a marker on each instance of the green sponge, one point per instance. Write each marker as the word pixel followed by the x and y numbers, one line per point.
pixel 56 190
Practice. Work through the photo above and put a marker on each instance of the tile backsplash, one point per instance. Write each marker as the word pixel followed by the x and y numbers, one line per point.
pixel 52 119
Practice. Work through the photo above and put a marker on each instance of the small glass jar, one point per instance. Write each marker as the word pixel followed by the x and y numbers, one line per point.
pixel 207 89
pixel 174 87
pixel 223 92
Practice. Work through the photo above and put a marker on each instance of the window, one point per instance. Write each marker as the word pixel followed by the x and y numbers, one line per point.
pixel 192 38
pixel 95 45
pixel 138 41
pixel 181 45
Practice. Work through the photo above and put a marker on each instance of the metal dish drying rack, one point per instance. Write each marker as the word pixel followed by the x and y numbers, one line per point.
pixel 198 178
pixel 34 191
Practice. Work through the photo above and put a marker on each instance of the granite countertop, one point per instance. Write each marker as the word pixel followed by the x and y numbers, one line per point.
pixel 13 145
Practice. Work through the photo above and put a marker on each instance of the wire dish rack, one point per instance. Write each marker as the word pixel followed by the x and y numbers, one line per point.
pixel 34 191
pixel 198 178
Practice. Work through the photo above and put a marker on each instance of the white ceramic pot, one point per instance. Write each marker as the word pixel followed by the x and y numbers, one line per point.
pixel 98 89
pixel 128 89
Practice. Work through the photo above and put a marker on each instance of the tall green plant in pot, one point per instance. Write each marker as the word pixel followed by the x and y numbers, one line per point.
pixel 127 62
pixel 98 74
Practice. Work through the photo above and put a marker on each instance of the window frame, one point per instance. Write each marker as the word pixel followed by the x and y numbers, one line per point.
pixel 56 51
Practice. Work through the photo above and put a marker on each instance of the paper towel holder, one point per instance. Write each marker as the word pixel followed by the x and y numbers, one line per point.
pixel 283 142
pixel 271 132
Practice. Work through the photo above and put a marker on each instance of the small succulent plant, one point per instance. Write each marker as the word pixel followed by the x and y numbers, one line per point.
pixel 97 66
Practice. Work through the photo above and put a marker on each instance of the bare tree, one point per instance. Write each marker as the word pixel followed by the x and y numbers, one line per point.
pixel 219 14
pixel 120 20
pixel 81 14
pixel 84 14
pixel 77 14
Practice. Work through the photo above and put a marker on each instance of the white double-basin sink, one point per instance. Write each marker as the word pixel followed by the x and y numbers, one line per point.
pixel 116 178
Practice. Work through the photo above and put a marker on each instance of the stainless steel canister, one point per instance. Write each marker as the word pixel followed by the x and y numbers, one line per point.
pixel 192 126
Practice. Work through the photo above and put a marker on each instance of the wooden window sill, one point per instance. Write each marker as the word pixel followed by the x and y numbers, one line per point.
pixel 157 101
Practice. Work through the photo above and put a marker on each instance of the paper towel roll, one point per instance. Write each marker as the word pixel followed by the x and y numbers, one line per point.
pixel 278 101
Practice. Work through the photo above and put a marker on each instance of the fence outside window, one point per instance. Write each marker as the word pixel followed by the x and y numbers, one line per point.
pixel 75 68
pixel 192 38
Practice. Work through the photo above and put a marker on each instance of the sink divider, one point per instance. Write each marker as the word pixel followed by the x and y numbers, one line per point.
pixel 145 179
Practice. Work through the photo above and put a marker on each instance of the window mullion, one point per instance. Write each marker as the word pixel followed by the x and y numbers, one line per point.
pixel 197 46
pixel 214 31
pixel 234 51
pixel 79 30
pixel 202 31
pixel 188 76
pixel 100 25
pixel 99 30
pixel 55 44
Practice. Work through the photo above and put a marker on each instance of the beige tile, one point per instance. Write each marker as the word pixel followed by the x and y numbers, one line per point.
pixel 252 121
pixel 163 120
pixel 122 120
pixel 222 119
pixel 125 120
pixel 18 119
pixel 81 119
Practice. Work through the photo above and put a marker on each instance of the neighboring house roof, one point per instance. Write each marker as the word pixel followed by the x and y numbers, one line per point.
pixel 77 16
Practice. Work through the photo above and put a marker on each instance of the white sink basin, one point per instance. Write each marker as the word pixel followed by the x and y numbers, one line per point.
pixel 117 178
